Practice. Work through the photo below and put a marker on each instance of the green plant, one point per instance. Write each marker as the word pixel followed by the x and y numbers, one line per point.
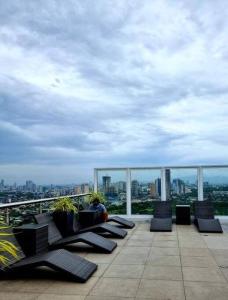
pixel 95 196
pixel 64 204
pixel 6 247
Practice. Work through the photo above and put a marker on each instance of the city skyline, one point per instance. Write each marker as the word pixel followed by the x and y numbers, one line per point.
pixel 110 84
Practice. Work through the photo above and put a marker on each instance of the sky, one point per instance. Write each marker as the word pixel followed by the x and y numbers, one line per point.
pixel 111 83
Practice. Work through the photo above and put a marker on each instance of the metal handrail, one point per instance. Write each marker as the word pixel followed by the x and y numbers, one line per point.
pixel 34 201
pixel 161 167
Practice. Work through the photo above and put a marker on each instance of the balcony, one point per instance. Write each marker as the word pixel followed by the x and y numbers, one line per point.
pixel 179 265
pixel 182 264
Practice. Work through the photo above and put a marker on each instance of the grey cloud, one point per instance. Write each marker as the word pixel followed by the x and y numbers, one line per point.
pixel 112 83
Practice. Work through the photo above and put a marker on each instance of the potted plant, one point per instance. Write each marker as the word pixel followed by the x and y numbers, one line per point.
pixel 64 213
pixel 6 248
pixel 95 196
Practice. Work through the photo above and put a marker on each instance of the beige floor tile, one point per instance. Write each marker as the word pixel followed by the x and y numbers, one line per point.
pixel 136 243
pixel 135 250
pixel 139 237
pixel 203 274
pixel 107 298
pixel 191 243
pixel 165 238
pixel 60 297
pixel 166 260
pixel 216 242
pixel 72 288
pixel 195 252
pixel 100 270
pixel 134 258
pixel 164 251
pixel 162 272
pixel 225 273
pixel 205 291
pixel 198 261
pixel 124 271
pixel 160 290
pixel 120 242
pixel 115 287
pixel 11 285
pixel 102 258
pixel 17 296
pixel 222 252
pixel 222 260
pixel 166 244
pixel 35 285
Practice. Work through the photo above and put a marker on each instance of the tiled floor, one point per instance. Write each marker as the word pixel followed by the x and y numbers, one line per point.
pixel 179 265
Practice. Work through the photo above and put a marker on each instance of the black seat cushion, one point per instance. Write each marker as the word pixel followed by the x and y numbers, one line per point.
pixel 161 224
pixel 209 225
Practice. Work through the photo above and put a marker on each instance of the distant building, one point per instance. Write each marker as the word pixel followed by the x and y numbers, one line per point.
pixel 168 184
pixel 106 183
pixel 134 188
pixel 178 186
pixel 153 193
pixel 30 186
pixel 121 186
pixel 158 186
pixel 85 188
pixel 2 185
pixel 77 190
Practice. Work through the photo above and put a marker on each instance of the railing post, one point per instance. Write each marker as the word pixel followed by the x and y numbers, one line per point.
pixel 163 185
pixel 200 183
pixel 7 216
pixel 95 180
pixel 128 192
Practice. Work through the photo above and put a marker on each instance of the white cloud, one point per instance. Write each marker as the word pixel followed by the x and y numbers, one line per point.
pixel 116 83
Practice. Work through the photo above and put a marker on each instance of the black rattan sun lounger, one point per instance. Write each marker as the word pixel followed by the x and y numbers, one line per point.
pixel 70 265
pixel 204 217
pixel 103 228
pixel 56 240
pixel 162 220
pixel 121 221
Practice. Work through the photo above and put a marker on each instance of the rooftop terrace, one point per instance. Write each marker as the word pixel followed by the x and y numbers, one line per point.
pixel 182 264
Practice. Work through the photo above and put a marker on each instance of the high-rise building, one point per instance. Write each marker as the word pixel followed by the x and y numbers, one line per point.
pixel 121 186
pixel 134 188
pixel 178 186
pixel 168 184
pixel 106 182
pixel 153 193
pixel 77 190
pixel 30 186
pixel 85 188
pixel 2 185
pixel 158 186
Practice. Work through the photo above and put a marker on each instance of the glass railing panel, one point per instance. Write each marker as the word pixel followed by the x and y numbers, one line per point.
pixel 181 185
pixel 215 188
pixel 113 185
pixel 145 189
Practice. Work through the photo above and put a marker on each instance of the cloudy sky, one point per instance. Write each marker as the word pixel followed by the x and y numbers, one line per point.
pixel 102 83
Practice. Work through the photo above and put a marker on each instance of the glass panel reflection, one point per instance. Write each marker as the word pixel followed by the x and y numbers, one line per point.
pixel 215 188
pixel 113 185
pixel 145 189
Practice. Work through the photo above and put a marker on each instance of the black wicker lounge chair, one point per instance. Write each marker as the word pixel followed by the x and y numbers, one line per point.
pixel 56 240
pixel 121 221
pixel 162 220
pixel 204 217
pixel 104 229
pixel 70 265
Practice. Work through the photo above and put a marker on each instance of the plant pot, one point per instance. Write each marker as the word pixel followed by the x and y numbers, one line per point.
pixel 65 222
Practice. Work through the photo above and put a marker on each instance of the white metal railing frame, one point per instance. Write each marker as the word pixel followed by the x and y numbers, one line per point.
pixel 7 206
pixel 162 169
